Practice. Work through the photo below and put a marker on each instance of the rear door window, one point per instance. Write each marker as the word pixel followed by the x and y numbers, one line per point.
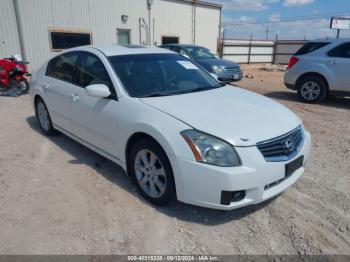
pixel 342 51
pixel 310 47
pixel 63 67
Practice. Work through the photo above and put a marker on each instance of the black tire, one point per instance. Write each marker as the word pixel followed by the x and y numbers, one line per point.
pixel 25 87
pixel 22 86
pixel 169 192
pixel 49 129
pixel 320 85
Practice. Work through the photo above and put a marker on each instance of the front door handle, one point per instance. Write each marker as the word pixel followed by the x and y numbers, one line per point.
pixel 75 97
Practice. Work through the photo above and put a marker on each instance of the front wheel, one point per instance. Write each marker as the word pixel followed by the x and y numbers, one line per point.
pixel 312 89
pixel 152 173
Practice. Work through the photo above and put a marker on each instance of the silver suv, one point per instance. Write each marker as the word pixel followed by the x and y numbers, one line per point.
pixel 320 68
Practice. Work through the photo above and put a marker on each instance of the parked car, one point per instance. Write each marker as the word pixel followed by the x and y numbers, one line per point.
pixel 175 129
pixel 320 68
pixel 226 71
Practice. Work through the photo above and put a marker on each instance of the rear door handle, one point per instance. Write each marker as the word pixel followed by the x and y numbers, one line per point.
pixel 333 62
pixel 75 97
pixel 46 86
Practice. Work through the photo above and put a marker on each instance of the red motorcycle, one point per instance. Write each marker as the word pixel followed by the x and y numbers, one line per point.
pixel 13 72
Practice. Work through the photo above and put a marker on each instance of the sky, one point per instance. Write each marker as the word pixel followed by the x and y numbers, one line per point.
pixel 236 13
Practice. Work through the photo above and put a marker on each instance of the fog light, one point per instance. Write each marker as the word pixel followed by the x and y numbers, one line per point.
pixel 227 197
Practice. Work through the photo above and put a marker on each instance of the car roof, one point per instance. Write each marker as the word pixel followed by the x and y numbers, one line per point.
pixel 115 50
pixel 183 45
pixel 332 40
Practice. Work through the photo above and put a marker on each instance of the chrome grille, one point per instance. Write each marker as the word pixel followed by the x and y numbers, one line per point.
pixel 234 70
pixel 284 147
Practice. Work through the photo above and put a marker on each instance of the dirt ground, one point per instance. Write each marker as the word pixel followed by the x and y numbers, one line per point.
pixel 58 197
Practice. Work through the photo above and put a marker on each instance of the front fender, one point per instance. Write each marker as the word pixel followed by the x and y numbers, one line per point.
pixel 164 128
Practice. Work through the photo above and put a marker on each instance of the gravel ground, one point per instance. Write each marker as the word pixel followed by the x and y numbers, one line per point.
pixel 58 197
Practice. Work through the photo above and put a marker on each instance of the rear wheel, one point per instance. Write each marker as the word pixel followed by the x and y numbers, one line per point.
pixel 22 86
pixel 152 173
pixel 44 118
pixel 312 89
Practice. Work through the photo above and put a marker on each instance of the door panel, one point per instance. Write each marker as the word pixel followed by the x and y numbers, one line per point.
pixel 57 88
pixel 339 63
pixel 340 67
pixel 94 120
pixel 57 96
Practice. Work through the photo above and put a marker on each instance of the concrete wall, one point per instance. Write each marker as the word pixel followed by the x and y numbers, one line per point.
pixel 102 18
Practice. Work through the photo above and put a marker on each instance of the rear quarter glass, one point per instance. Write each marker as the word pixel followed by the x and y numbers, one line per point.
pixel 311 47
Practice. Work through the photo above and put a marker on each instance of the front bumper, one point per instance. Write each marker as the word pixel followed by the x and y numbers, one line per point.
pixel 290 86
pixel 203 184
pixel 228 77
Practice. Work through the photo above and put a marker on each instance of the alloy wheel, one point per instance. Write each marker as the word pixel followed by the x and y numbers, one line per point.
pixel 310 91
pixel 150 173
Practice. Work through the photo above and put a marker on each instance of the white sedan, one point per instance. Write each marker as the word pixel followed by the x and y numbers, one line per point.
pixel 174 128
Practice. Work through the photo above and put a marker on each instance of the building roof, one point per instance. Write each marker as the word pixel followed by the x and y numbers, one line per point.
pixel 200 2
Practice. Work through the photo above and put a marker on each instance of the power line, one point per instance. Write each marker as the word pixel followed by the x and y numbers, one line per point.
pixel 295 18
pixel 290 19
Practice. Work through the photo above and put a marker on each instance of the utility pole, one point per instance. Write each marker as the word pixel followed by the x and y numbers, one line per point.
pixel 267 33
pixel 338 33
pixel 250 48
pixel 275 50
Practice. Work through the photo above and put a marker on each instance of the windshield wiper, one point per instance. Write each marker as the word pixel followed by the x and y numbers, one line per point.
pixel 179 92
pixel 203 88
pixel 156 94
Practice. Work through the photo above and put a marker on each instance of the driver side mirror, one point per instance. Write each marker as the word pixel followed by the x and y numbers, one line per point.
pixel 98 91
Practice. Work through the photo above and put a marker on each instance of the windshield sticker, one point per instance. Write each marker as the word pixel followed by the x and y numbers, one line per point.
pixel 188 65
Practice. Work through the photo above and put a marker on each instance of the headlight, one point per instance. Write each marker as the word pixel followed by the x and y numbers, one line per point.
pixel 211 150
pixel 218 69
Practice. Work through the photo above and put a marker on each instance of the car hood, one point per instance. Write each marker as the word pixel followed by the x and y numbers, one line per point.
pixel 216 61
pixel 238 116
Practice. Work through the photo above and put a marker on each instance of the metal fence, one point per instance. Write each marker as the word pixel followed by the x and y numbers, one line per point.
pixel 259 51
pixel 284 49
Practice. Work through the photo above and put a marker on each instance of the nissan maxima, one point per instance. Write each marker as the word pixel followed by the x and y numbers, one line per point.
pixel 175 130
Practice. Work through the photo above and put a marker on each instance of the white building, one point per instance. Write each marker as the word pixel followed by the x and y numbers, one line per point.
pixel 37 29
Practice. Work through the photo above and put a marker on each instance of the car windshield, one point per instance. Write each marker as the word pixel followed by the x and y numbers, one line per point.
pixel 146 75
pixel 199 52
